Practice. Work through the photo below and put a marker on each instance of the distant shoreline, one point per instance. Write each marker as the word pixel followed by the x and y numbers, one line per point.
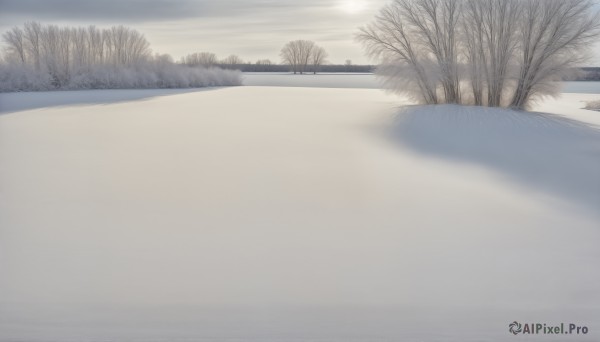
pixel 591 74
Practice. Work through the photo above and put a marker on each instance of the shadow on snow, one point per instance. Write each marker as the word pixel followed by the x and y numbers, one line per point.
pixel 547 152
pixel 21 101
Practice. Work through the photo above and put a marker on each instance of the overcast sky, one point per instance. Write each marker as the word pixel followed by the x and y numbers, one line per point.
pixel 252 29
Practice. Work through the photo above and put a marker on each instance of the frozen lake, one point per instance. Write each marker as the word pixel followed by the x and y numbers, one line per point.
pixel 292 214
pixel 582 87
pixel 365 81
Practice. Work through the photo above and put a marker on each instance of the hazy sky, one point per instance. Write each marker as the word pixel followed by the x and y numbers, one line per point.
pixel 252 29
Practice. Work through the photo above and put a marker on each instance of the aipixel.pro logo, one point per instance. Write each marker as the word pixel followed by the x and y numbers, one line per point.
pixel 516 328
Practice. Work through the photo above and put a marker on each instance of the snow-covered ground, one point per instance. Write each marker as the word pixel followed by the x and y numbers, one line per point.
pixel 294 214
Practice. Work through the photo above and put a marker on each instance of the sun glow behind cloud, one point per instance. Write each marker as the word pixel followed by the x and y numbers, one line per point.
pixel 352 6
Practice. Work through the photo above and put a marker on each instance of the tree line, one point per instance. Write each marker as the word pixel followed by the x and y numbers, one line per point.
pixel 589 74
pixel 210 60
pixel 64 51
pixel 44 57
pixel 481 52
pixel 298 56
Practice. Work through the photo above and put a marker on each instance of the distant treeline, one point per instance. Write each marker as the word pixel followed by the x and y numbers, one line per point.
pixel 589 74
pixel 287 68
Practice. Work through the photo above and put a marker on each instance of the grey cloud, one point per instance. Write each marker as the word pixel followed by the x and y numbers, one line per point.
pixel 250 28
pixel 141 10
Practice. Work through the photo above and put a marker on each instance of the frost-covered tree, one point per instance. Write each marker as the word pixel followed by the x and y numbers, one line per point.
pixel 420 35
pixel 43 57
pixel 126 46
pixel 60 50
pixel 553 36
pixel 204 59
pixel 33 33
pixel 489 42
pixel 405 63
pixel 15 39
pixel 482 52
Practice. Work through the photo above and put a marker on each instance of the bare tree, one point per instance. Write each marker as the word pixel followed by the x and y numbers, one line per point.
pixel 81 51
pixel 489 33
pixel 317 57
pixel 15 40
pixel 50 43
pixel 126 46
pixel 348 65
pixel 289 55
pixel 263 64
pixel 205 59
pixel 95 45
pixel 297 54
pixel 553 34
pixel 232 62
pixel 64 54
pixel 434 24
pixel 33 33
pixel 391 39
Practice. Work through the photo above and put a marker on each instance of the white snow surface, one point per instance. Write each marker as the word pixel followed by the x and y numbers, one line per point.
pixel 294 214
